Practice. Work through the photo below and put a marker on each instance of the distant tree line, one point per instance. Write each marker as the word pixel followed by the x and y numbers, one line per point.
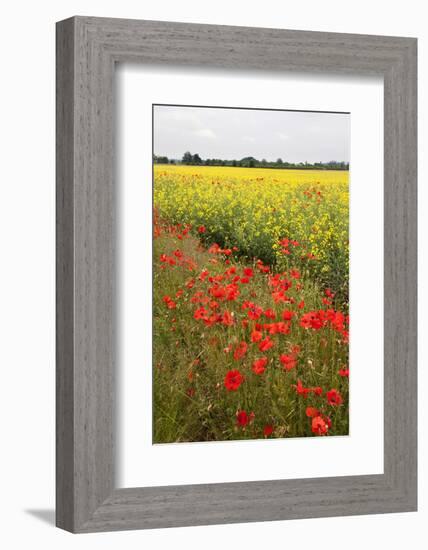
pixel 251 162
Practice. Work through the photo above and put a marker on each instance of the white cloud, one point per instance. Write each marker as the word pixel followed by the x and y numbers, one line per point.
pixel 205 132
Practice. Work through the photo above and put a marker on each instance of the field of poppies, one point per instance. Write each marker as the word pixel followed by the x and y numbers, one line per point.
pixel 250 303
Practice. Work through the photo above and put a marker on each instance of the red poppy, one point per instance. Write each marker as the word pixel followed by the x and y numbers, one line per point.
pixel 227 319
pixel 233 380
pixel 288 315
pixel 295 349
pixel 232 292
pixel 319 425
pixel 312 319
pixel 256 336
pixel 170 304
pixel 248 272
pixel 230 271
pixel 242 418
pixel 268 430
pixel 344 372
pixel 301 390
pixel 288 361
pixel 200 313
pixel 212 319
pixel 259 365
pixel 240 351
pixel 254 312
pixel 334 398
pixel 269 313
pixel 203 275
pixel 312 412
pixel 278 328
pixel 201 229
pixel 261 267
pixel 265 344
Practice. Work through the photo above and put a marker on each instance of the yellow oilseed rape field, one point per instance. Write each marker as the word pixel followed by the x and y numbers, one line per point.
pixel 250 303
pixel 254 208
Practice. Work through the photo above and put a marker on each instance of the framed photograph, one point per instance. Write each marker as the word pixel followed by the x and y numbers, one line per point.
pixel 236 274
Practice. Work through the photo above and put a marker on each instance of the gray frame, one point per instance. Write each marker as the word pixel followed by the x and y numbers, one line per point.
pixel 87 50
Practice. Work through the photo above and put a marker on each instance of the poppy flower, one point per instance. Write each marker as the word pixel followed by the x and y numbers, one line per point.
pixel 233 380
pixel 230 271
pixel 212 319
pixel 268 430
pixel 312 412
pixel 288 361
pixel 203 275
pixel 242 418
pixel 334 398
pixel 254 312
pixel 227 319
pixel 265 344
pixel 248 272
pixel 259 365
pixel 240 351
pixel 312 319
pixel 170 304
pixel 344 372
pixel 269 313
pixel 256 336
pixel 201 229
pixel 280 328
pixel 200 313
pixel 319 425
pixel 287 315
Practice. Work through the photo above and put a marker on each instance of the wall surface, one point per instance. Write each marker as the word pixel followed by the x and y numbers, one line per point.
pixel 27 271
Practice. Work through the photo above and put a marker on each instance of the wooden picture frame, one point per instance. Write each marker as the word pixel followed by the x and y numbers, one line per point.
pixel 87 50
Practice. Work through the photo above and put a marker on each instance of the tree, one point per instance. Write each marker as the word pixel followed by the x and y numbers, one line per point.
pixel 248 162
pixel 196 159
pixel 279 162
pixel 160 160
pixel 187 158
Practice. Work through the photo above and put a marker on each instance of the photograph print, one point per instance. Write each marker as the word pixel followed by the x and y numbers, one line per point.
pixel 250 274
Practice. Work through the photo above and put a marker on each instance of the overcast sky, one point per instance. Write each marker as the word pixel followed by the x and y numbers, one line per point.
pixel 236 133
